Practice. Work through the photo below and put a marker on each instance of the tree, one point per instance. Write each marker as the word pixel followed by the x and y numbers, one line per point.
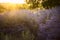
pixel 33 3
pixel 50 3
pixel 44 3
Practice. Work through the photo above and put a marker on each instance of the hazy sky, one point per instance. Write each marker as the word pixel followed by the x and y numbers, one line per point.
pixel 12 1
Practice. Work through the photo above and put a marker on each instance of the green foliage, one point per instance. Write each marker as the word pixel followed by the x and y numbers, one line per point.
pixel 44 3
pixel 50 3
pixel 34 3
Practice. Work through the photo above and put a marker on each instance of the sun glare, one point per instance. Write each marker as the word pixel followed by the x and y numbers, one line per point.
pixel 13 1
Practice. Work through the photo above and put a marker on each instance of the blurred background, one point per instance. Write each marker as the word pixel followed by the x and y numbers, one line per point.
pixel 29 19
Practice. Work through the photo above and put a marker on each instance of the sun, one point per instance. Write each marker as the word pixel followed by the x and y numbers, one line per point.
pixel 13 1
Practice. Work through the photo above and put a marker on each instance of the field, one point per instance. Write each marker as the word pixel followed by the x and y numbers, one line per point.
pixel 25 24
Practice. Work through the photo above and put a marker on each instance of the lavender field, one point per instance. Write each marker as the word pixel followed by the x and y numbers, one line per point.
pixel 29 25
